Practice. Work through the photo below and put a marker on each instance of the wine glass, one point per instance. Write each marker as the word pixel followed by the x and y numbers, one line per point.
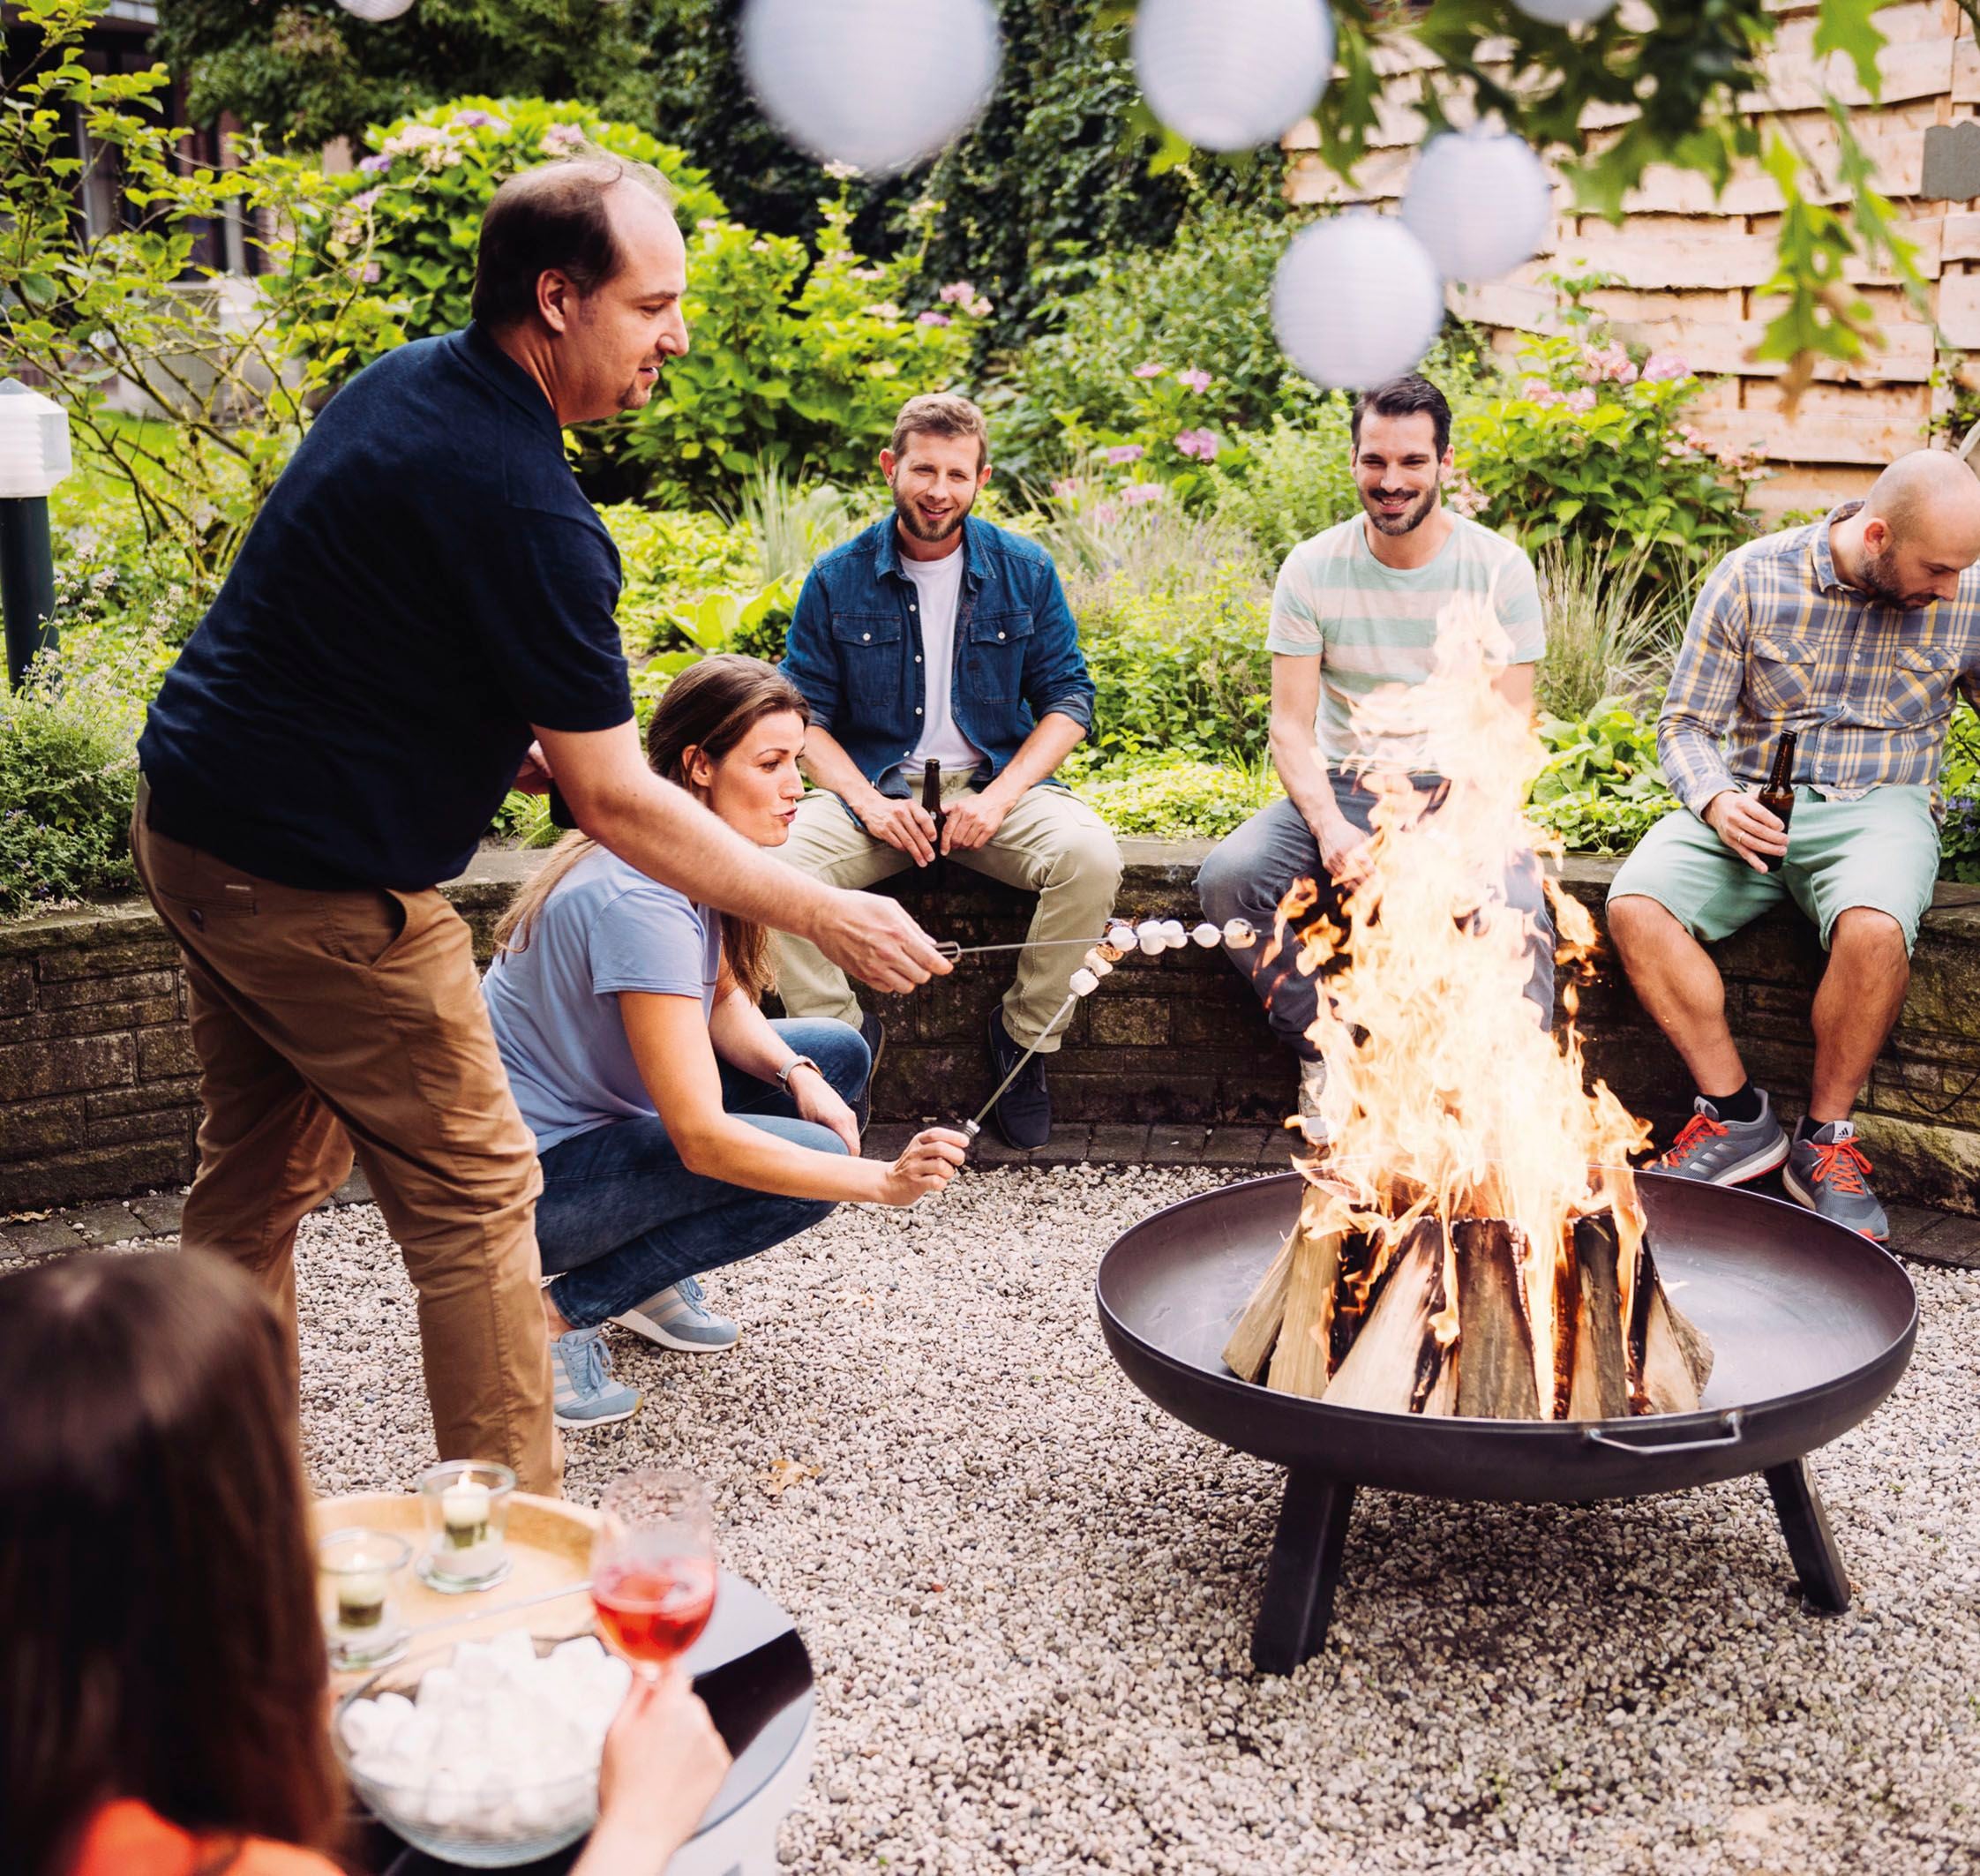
pixel 653 1566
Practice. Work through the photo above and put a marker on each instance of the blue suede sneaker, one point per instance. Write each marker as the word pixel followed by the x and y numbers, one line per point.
pixel 587 1395
pixel 679 1318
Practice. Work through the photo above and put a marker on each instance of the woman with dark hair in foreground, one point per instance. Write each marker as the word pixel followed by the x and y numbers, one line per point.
pixel 163 1683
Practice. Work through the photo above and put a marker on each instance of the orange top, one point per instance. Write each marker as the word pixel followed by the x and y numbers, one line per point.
pixel 127 1838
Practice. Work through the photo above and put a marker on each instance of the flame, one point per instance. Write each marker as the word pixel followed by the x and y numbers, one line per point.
pixel 1448 1097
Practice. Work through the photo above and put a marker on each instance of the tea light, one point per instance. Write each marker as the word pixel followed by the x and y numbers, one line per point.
pixel 1207 935
pixel 356 1568
pixel 1238 935
pixel 361 1599
pixel 1149 936
pixel 1085 983
pixel 464 1515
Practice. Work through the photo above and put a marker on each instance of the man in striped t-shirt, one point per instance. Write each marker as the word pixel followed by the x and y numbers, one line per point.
pixel 1355 609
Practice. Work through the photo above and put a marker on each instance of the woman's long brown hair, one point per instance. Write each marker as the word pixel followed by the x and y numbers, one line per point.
pixel 159 1633
pixel 709 707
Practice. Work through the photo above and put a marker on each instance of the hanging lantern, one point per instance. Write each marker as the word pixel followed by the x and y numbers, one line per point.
pixel 1479 201
pixel 1236 73
pixel 376 12
pixel 877 85
pixel 1565 12
pixel 1356 300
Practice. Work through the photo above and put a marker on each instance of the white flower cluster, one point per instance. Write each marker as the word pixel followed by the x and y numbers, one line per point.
pixel 501 1741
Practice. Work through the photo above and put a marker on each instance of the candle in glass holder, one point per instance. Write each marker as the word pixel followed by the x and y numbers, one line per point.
pixel 357 1568
pixel 467 1507
pixel 464 1515
pixel 360 1601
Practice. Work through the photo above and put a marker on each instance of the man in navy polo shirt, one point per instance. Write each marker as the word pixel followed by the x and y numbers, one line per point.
pixel 934 636
pixel 425 591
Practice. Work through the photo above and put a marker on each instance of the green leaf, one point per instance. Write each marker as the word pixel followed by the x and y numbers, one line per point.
pixel 1847 26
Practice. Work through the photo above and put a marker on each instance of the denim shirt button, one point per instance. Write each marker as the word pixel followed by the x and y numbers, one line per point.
pixel 1000 634
pixel 917 709
pixel 917 657
pixel 864 636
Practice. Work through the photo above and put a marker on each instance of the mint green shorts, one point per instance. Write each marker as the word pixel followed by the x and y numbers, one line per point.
pixel 1880 851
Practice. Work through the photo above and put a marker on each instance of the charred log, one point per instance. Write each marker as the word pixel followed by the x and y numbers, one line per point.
pixel 1496 1375
pixel 1397 1364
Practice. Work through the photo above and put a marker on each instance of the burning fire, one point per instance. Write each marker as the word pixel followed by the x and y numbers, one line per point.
pixel 1448 1100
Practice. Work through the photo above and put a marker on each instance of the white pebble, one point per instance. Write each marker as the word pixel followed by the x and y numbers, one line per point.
pixel 1084 982
pixel 1207 935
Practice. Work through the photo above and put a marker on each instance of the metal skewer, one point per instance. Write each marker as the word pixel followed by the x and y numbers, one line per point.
pixel 950 949
pixel 501 1609
pixel 973 1128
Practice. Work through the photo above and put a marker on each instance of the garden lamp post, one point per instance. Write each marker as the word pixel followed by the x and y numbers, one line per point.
pixel 33 457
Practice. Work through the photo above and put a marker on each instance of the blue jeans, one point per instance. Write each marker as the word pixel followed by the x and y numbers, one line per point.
pixel 622 1218
pixel 1250 871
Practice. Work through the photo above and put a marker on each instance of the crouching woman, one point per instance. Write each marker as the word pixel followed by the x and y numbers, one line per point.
pixel 678 1127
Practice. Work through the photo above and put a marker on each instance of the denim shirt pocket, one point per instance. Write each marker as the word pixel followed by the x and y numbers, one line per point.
pixel 993 665
pixel 868 644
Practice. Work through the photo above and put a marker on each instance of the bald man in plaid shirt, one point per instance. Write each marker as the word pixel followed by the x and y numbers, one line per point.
pixel 1855 633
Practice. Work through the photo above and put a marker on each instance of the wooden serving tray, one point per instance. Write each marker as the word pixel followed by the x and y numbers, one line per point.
pixel 548 1541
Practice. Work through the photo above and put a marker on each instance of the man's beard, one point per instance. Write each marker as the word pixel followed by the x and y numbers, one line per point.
pixel 1411 518
pixel 919 528
pixel 1877 575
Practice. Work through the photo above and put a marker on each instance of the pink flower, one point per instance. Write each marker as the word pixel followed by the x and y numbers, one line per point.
pixel 1107 514
pixel 1136 492
pixel 470 120
pixel 364 198
pixel 1461 494
pixel 371 165
pixel 1124 453
pixel 1148 371
pixel 979 308
pixel 1065 488
pixel 560 139
pixel 1194 380
pixel 1197 442
pixel 369 273
pixel 1661 367
pixel 933 318
pixel 957 293
pixel 1581 401
pixel 1538 391
pixel 1610 361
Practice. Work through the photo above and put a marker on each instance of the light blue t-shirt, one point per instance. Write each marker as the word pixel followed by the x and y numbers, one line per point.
pixel 554 1004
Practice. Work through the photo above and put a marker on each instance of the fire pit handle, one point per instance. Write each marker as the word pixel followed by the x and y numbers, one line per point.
pixel 1732 1421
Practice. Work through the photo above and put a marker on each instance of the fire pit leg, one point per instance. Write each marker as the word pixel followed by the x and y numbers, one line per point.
pixel 1305 1566
pixel 1810 1543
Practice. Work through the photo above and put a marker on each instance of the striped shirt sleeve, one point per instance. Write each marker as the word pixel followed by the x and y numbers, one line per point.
pixel 1704 686
pixel 1516 599
pixel 1295 626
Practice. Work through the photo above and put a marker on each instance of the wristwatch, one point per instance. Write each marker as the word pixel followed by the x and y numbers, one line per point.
pixel 790 1067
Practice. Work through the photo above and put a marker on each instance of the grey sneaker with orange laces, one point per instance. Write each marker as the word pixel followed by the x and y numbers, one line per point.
pixel 1826 1172
pixel 1723 1152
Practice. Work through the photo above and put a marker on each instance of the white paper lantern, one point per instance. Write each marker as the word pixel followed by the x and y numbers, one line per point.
pixel 376 12
pixel 33 442
pixel 878 85
pixel 1565 12
pixel 1356 300
pixel 1229 74
pixel 1479 201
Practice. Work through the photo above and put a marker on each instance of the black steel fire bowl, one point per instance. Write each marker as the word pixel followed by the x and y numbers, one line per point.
pixel 1810 1325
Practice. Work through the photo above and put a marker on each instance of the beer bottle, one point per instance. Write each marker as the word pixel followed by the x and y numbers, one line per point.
pixel 931 800
pixel 1778 797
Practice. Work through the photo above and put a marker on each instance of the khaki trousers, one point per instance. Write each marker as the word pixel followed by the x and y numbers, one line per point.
pixel 331 1022
pixel 1051 843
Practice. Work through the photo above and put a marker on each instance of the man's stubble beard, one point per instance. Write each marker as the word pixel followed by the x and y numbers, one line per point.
pixel 1411 519
pixel 1876 574
pixel 912 522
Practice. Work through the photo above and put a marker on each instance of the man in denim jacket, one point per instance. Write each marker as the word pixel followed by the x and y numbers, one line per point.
pixel 931 636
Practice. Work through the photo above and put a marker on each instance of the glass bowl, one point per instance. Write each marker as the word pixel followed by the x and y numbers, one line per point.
pixel 500 1827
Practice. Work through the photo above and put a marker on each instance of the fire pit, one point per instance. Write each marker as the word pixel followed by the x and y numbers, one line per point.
pixel 1811 1326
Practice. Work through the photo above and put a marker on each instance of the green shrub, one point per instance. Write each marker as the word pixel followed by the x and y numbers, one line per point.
pixel 1593 444
pixel 1298 480
pixel 68 767
pixel 1611 631
pixel 1176 799
pixel 795 365
pixel 1959 781
pixel 1601 789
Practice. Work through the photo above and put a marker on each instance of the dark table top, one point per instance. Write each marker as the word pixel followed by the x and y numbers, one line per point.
pixel 752 1667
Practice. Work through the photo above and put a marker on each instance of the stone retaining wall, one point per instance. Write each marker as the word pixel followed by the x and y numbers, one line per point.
pixel 97 1088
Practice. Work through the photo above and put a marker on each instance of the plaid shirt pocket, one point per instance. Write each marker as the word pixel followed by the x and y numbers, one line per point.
pixel 1781 675
pixel 1921 685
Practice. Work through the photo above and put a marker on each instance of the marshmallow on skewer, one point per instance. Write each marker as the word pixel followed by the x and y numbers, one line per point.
pixel 1208 935
pixel 1173 935
pixel 1238 933
pixel 1149 936
pixel 1097 962
pixel 1085 983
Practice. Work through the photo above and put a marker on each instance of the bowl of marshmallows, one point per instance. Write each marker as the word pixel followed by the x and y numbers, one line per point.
pixel 484 1754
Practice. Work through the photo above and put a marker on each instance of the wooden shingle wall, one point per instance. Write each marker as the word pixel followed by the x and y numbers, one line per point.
pixel 1692 265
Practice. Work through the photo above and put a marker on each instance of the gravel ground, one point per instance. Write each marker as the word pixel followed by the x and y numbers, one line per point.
pixel 1029 1593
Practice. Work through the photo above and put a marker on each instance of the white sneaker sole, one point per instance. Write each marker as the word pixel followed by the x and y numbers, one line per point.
pixel 577 1423
pixel 1755 1166
pixel 1804 1197
pixel 655 1332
